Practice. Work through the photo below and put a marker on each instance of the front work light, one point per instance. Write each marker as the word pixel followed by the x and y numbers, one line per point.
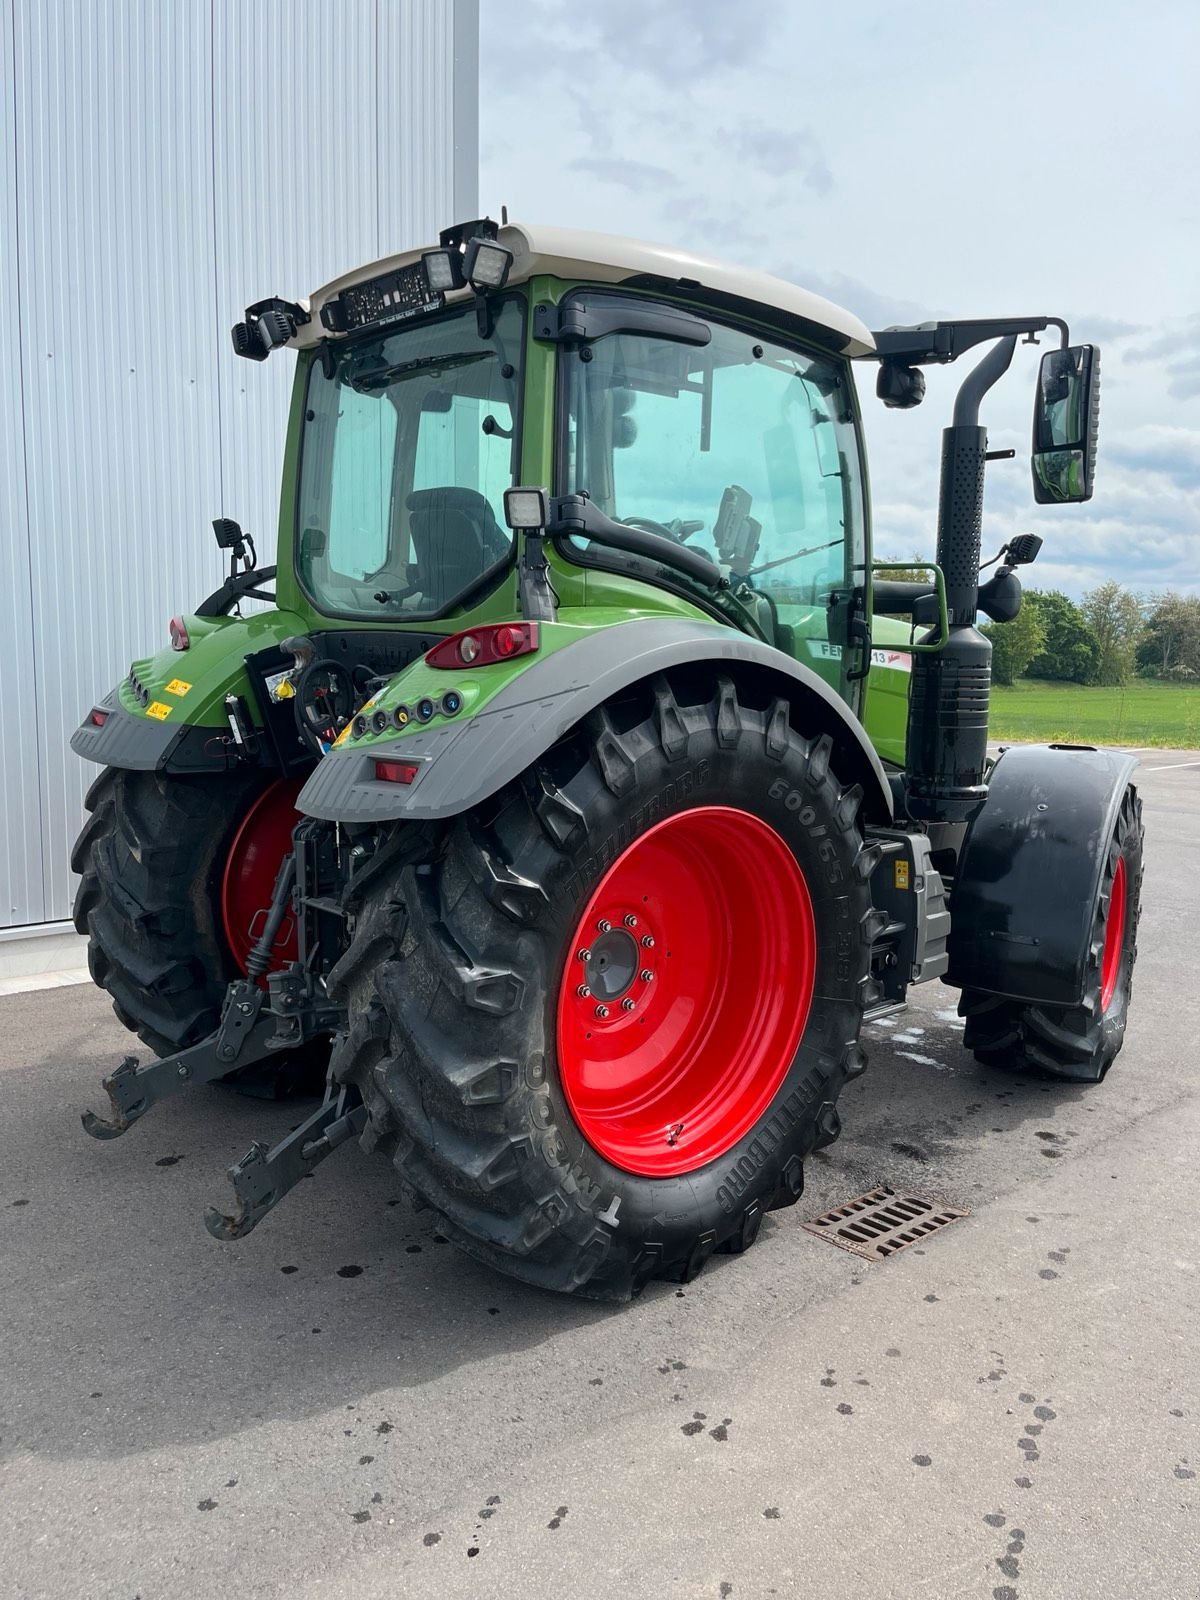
pixel 486 264
pixel 525 508
pixel 439 271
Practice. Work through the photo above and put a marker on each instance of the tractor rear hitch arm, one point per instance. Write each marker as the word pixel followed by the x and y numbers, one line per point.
pixel 242 1036
pixel 262 1177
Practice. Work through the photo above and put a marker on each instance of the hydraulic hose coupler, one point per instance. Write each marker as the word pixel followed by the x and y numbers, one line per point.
pixel 948 728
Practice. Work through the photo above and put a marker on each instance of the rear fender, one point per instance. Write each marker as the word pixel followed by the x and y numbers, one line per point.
pixel 463 762
pixel 169 714
pixel 1029 878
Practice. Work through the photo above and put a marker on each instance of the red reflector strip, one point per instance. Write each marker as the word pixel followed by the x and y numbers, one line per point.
pixel 98 718
pixel 495 641
pixel 397 771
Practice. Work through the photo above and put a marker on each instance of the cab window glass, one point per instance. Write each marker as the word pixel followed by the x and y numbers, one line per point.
pixel 410 440
pixel 743 449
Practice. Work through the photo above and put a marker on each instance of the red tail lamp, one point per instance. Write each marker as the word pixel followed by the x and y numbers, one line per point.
pixel 97 716
pixel 483 647
pixel 177 629
pixel 397 771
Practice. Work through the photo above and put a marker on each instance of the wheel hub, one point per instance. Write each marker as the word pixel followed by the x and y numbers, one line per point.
pixel 612 964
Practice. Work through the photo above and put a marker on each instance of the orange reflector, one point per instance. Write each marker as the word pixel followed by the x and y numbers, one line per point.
pixel 397 771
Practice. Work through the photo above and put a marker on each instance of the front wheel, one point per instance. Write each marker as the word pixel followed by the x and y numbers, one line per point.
pixel 600 1024
pixel 1078 1043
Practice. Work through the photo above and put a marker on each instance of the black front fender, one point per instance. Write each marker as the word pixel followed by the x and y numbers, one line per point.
pixel 1029 877
pixel 463 763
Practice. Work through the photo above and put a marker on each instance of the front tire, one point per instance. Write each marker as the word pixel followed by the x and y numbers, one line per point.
pixel 540 1130
pixel 1076 1043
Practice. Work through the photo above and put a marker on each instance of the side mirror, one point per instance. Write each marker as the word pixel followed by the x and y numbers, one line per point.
pixel 1066 421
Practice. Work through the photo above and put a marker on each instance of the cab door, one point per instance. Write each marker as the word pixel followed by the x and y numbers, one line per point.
pixel 743 448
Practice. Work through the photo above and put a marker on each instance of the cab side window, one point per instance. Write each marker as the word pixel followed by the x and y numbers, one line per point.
pixel 743 449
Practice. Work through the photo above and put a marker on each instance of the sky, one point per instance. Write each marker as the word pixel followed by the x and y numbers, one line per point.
pixel 917 162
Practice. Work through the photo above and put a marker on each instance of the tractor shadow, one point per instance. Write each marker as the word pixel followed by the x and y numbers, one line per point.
pixel 129 1328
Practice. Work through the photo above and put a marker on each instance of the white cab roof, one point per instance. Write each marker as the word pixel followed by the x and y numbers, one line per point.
pixel 611 258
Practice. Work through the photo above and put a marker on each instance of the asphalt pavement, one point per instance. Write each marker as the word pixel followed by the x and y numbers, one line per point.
pixel 342 1405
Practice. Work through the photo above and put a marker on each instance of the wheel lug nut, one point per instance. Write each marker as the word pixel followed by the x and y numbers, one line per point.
pixel 601 1012
pixel 647 942
pixel 584 955
pixel 647 975
pixel 584 992
pixel 626 1005
pixel 631 921
pixel 604 926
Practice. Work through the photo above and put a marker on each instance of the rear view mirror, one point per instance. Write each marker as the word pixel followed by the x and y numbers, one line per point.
pixel 1066 421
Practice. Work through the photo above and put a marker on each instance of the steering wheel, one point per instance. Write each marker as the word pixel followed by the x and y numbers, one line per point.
pixel 325 701
pixel 678 531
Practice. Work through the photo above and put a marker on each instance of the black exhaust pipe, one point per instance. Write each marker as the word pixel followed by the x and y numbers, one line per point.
pixel 951 687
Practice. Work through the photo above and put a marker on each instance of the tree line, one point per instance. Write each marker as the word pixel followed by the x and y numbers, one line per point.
pixel 1108 637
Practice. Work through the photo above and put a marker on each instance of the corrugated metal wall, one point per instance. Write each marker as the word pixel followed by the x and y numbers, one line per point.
pixel 162 167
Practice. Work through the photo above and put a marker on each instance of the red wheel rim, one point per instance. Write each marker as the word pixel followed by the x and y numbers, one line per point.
pixel 1114 937
pixel 251 867
pixel 686 991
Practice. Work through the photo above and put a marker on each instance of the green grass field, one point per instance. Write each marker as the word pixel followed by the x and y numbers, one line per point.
pixel 1142 713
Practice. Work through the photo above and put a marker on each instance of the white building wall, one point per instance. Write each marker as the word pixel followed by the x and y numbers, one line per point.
pixel 161 167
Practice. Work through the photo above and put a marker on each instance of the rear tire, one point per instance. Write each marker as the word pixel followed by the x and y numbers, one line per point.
pixel 151 858
pixel 457 963
pixel 1076 1043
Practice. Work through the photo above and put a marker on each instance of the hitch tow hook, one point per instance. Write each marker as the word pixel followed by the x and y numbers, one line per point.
pixel 262 1177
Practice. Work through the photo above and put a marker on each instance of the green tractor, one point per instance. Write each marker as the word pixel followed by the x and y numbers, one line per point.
pixel 573 831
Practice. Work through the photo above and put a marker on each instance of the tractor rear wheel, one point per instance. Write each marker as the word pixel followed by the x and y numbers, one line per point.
pixel 175 877
pixel 1078 1043
pixel 600 1023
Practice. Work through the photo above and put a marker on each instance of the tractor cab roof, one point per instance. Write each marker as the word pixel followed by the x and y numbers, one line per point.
pixel 611 258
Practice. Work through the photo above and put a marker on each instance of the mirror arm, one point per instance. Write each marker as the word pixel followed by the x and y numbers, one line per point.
pixel 941 342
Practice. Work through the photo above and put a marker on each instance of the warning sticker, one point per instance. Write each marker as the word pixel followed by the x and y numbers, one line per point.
pixel 157 709
pixel 179 687
pixel 902 874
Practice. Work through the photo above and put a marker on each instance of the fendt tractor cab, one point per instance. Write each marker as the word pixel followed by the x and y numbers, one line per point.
pixel 585 784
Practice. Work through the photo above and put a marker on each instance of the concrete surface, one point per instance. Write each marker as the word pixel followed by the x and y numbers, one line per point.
pixel 1009 1411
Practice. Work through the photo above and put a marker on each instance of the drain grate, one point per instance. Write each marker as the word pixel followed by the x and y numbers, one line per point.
pixel 881 1222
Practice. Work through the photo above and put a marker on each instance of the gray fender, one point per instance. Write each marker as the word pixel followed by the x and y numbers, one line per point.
pixel 1029 878
pixel 462 763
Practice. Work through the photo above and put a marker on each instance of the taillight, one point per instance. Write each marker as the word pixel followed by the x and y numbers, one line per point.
pixel 397 771
pixel 484 646
pixel 97 717
pixel 179 634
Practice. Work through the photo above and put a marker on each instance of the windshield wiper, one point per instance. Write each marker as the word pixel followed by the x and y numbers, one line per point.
pixel 371 379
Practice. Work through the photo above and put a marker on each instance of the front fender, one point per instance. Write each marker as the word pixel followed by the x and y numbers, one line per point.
pixel 1029 878
pixel 464 761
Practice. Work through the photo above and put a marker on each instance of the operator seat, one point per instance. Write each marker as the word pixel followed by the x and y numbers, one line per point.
pixel 455 539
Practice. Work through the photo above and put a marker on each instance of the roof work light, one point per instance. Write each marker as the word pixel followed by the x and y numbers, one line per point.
pixel 440 271
pixel 486 264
